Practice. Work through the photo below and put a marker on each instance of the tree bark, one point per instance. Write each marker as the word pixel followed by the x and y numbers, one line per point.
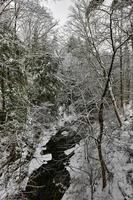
pixel 3 89
pixel 115 105
pixel 101 121
pixel 121 81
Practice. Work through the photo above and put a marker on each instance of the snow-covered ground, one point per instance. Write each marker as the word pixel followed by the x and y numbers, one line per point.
pixel 84 166
pixel 10 183
pixel 119 159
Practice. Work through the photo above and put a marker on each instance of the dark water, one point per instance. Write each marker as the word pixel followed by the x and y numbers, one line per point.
pixel 51 180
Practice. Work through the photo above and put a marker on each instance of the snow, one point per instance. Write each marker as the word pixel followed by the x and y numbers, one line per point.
pixel 64 117
pixel 117 154
pixel 38 161
pixel 38 158
pixel 118 162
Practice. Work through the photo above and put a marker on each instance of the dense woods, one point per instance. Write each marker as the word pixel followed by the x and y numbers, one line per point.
pixel 66 90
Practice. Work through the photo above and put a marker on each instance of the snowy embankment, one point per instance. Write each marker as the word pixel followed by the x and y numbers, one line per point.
pixel 15 175
pixel 118 154
pixel 84 171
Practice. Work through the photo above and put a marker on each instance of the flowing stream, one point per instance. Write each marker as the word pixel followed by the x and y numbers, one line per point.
pixel 50 181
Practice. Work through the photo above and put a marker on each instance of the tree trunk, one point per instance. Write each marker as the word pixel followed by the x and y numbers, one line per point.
pixel 99 147
pixel 99 139
pixel 103 168
pixel 3 89
pixel 121 81
pixel 126 75
pixel 115 105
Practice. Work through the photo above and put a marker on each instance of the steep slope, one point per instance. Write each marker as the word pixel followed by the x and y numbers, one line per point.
pixel 118 153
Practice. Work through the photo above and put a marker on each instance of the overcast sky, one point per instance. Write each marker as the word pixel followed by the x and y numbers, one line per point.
pixel 60 9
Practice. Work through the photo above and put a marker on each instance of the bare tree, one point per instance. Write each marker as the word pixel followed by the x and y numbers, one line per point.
pixel 98 27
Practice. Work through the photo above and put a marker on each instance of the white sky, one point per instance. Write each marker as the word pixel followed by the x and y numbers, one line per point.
pixel 60 9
